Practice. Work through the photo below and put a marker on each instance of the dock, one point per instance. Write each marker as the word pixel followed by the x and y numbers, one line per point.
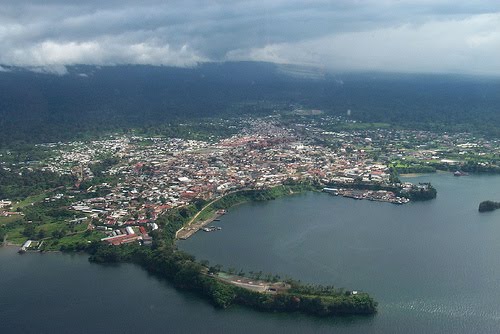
pixel 187 231
pixel 25 246
pixel 371 195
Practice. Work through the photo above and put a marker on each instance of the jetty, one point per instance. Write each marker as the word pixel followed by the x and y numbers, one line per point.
pixel 190 229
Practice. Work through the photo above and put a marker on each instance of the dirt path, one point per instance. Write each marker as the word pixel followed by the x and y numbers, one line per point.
pixel 189 229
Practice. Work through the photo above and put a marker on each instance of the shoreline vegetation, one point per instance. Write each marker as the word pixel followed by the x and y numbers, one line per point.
pixel 469 166
pixel 420 192
pixel 223 288
pixel 164 260
pixel 217 207
pixel 77 237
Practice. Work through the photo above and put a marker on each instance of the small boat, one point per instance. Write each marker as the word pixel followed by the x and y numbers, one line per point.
pixel 210 229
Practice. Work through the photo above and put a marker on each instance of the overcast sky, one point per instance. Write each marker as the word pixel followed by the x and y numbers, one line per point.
pixel 400 36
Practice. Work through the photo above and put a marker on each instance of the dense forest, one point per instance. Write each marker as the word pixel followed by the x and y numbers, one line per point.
pixel 38 107
pixel 18 185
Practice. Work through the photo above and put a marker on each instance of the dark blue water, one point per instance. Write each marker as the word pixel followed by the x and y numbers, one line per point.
pixel 433 266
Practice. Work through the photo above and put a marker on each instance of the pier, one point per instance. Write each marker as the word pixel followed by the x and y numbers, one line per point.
pixel 187 231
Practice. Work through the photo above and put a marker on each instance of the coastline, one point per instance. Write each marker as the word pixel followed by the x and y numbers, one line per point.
pixel 412 174
pixel 438 171
pixel 243 196
pixel 181 269
pixel 190 229
pixel 6 243
pixel 165 261
pixel 9 244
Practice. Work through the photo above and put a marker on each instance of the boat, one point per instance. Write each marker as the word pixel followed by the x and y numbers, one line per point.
pixel 212 228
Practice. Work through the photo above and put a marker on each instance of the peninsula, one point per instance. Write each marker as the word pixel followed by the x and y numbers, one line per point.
pixel 223 288
pixel 129 197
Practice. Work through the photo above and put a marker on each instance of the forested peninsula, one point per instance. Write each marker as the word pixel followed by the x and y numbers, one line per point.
pixel 164 260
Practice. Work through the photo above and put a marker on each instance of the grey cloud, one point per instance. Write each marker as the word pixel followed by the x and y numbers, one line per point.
pixel 340 35
pixel 467 45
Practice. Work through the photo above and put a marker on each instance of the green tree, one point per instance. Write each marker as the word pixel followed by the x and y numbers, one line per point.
pixel 29 231
pixel 41 234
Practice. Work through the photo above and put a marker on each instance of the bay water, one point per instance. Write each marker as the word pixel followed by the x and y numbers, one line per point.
pixel 434 267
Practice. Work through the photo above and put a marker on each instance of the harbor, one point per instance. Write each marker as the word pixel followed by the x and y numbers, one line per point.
pixel 371 195
pixel 187 231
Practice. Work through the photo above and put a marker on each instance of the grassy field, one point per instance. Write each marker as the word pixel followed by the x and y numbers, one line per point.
pixel 11 219
pixel 29 200
pixel 73 242
pixel 15 236
pixel 55 230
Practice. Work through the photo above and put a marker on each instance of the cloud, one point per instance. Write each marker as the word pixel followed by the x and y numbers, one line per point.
pixel 469 45
pixel 49 69
pixel 411 35
pixel 102 51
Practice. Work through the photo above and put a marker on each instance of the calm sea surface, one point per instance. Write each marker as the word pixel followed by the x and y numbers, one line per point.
pixel 433 266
